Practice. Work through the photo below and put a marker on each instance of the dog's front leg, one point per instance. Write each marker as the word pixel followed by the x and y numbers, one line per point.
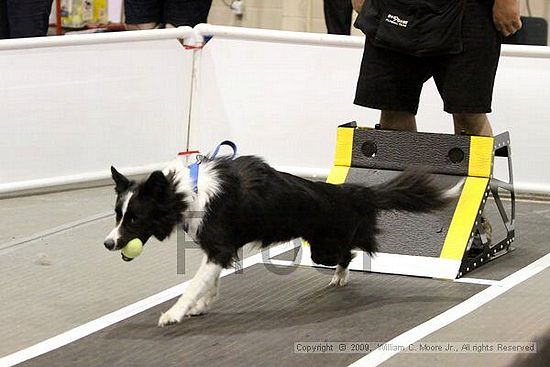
pixel 200 286
pixel 203 304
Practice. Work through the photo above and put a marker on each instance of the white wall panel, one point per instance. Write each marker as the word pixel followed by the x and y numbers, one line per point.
pixel 68 113
pixel 283 98
pixel 281 101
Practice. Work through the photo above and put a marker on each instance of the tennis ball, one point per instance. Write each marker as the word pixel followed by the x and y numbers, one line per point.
pixel 132 249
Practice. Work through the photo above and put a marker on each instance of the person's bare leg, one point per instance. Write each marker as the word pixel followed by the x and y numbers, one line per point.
pixel 141 26
pixel 397 120
pixel 472 124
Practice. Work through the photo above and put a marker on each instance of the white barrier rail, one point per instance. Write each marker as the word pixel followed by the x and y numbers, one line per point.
pixel 98 38
pixel 332 40
pixel 279 36
pixel 76 179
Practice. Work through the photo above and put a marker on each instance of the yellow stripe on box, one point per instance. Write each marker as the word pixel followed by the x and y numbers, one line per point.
pixel 464 218
pixel 337 175
pixel 481 156
pixel 344 144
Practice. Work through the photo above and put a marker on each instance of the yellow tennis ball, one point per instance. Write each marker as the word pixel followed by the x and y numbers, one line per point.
pixel 132 249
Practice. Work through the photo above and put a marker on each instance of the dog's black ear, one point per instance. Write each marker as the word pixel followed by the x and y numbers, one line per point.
pixel 121 182
pixel 156 184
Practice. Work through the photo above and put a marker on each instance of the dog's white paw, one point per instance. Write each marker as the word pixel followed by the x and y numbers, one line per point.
pixel 340 277
pixel 200 308
pixel 170 317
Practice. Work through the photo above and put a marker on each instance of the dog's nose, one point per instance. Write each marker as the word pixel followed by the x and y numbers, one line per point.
pixel 109 244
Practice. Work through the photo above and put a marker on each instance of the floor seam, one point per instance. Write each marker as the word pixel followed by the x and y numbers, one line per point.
pixel 10 245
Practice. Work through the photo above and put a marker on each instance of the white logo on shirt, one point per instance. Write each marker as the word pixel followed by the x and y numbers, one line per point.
pixel 394 19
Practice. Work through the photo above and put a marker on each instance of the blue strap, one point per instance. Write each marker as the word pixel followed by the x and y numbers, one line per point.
pixel 229 143
pixel 194 168
pixel 194 174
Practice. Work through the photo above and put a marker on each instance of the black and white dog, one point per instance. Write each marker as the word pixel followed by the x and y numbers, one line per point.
pixel 244 200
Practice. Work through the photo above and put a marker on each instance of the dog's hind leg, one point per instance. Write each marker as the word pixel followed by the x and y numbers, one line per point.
pixel 365 239
pixel 206 278
pixel 341 274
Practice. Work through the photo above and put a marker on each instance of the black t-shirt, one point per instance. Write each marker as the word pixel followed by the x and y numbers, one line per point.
pixel 419 28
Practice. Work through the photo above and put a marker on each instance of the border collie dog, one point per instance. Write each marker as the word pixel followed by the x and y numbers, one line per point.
pixel 244 200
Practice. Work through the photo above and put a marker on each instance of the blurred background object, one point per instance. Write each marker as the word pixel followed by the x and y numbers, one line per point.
pixel 338 16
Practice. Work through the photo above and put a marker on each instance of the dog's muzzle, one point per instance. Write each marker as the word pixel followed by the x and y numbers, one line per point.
pixel 109 244
pixel 126 258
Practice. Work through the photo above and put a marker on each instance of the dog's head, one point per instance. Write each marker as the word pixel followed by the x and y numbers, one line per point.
pixel 151 208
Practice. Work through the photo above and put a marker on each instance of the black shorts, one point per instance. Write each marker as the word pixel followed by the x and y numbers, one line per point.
pixel 393 81
pixel 24 18
pixel 176 12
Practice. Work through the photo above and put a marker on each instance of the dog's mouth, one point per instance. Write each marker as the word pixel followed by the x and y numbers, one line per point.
pixel 126 258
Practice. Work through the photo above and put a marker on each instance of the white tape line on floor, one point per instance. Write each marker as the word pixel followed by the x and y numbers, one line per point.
pixel 383 353
pixel 121 314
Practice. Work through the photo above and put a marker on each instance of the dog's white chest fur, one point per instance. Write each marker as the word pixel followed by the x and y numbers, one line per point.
pixel 208 186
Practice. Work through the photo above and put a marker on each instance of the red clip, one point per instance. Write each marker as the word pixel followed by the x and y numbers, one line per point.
pixel 189 152
pixel 192 47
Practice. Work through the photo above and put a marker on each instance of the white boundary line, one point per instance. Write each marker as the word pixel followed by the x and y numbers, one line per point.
pixel 122 314
pixel 488 282
pixel 424 266
pixel 380 355
pixel 467 280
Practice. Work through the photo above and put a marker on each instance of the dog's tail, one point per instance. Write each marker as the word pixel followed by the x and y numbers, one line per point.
pixel 413 191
